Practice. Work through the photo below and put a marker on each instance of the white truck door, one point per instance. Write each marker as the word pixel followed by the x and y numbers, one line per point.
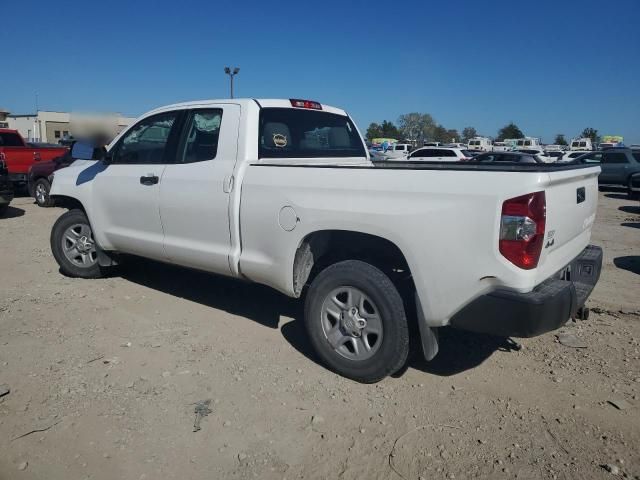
pixel 195 190
pixel 126 193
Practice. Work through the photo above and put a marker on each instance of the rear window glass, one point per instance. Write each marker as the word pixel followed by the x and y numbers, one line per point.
pixel 10 140
pixel 636 155
pixel 298 133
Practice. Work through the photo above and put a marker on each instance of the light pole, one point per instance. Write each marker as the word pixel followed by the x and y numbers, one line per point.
pixel 231 74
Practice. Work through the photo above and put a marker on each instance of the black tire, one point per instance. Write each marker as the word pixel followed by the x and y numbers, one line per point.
pixel 632 195
pixel 43 200
pixel 67 266
pixel 393 350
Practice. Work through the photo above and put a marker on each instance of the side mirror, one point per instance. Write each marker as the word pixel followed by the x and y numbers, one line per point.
pixel 82 151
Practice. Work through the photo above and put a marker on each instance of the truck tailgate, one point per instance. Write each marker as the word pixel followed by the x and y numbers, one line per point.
pixel 571 200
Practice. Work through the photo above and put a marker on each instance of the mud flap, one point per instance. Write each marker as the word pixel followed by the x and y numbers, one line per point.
pixel 428 335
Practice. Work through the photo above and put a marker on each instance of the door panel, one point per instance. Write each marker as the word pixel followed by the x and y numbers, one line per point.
pixel 126 191
pixel 195 191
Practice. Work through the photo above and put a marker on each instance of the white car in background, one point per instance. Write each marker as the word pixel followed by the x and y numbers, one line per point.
pixel 571 155
pixel 398 151
pixel 540 153
pixel 440 154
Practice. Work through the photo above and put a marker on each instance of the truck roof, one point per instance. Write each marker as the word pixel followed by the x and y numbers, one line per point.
pixel 262 102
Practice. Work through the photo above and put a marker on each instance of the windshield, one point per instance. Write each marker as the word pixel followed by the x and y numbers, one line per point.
pixel 299 133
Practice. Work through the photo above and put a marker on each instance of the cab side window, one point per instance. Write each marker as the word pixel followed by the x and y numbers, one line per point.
pixel 146 142
pixel 201 134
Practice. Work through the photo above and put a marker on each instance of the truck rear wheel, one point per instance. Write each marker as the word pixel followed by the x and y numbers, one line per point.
pixel 73 246
pixel 356 321
pixel 41 193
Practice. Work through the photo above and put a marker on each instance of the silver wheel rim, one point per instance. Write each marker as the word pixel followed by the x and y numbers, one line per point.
pixel 351 323
pixel 78 245
pixel 41 193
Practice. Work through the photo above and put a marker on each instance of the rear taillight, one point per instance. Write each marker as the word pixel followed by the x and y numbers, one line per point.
pixel 522 229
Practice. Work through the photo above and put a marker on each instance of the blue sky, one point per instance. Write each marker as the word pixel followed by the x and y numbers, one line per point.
pixel 551 67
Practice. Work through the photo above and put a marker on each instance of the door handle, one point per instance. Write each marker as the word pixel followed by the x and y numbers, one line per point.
pixel 149 179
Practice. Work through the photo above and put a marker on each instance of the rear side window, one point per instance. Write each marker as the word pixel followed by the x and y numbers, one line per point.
pixel 614 157
pixel 298 133
pixel 636 155
pixel 10 140
pixel 201 135
pixel 447 153
pixel 424 153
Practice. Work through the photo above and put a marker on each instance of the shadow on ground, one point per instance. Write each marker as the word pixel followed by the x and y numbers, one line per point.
pixel 13 212
pixel 459 351
pixel 631 224
pixel 630 263
pixel 255 302
pixel 630 209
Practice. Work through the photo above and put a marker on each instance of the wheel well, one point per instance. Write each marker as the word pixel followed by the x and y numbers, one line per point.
pixel 69 203
pixel 320 249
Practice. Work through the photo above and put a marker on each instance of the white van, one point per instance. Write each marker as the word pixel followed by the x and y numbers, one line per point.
pixel 581 144
pixel 501 147
pixel 528 142
pixel 480 143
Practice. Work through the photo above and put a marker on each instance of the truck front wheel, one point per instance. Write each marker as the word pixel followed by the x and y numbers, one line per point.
pixel 356 321
pixel 41 193
pixel 73 246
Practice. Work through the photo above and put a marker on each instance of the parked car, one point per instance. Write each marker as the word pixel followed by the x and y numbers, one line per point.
pixel 439 154
pixel 6 189
pixel 513 157
pixel 500 147
pixel 39 178
pixel 538 152
pixel 283 193
pixel 572 155
pixel 398 151
pixel 19 156
pixel 619 165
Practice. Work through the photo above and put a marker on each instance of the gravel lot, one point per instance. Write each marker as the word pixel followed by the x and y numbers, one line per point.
pixel 110 370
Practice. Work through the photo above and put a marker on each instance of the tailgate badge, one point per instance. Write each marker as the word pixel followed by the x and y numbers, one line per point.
pixel 550 239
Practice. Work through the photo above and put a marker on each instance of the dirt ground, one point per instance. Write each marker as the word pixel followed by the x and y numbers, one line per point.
pixel 104 375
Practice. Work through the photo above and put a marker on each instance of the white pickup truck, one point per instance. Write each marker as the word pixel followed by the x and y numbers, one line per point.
pixel 283 193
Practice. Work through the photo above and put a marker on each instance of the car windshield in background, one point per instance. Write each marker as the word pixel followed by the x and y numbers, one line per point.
pixel 531 152
pixel 298 133
pixel 466 153
pixel 10 140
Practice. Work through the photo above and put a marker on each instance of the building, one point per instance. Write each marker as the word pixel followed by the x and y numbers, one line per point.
pixel 51 127
pixel 3 118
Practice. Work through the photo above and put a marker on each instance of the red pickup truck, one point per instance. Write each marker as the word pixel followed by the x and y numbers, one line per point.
pixel 18 155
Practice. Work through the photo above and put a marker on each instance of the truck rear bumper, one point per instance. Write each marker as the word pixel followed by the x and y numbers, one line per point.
pixel 547 307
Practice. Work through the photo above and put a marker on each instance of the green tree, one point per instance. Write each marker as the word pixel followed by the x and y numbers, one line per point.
pixel 374 131
pixel 510 130
pixel 389 130
pixel 440 134
pixel 468 133
pixel 453 135
pixel 591 133
pixel 560 140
